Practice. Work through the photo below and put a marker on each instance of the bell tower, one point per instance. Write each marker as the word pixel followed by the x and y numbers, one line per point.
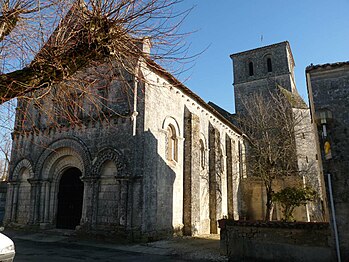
pixel 262 70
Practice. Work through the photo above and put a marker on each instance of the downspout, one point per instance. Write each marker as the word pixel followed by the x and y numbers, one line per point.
pixel 306 205
pixel 134 113
pixel 333 217
pixel 131 181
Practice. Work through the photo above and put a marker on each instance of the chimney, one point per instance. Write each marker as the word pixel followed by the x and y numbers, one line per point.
pixel 146 46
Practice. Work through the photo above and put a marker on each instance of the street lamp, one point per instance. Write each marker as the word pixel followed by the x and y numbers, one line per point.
pixel 323 117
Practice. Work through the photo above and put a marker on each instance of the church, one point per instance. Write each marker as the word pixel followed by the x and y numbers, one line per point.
pixel 161 162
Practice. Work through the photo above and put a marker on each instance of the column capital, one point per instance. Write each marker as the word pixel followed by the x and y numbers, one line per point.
pixel 89 179
pixel 34 181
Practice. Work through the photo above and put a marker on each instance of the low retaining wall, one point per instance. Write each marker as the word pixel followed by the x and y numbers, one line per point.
pixel 275 241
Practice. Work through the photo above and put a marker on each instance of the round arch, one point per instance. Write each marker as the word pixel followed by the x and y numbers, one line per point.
pixel 109 154
pixel 24 163
pixel 62 150
pixel 169 120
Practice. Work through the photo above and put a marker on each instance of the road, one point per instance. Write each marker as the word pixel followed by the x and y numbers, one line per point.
pixel 65 245
pixel 30 251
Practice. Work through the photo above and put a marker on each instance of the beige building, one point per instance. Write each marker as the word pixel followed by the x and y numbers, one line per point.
pixel 140 156
pixel 162 161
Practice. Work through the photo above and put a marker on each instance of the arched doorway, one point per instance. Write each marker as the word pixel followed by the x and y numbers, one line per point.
pixel 70 198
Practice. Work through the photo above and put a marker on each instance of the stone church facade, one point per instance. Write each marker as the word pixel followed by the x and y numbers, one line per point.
pixel 161 162
pixel 169 163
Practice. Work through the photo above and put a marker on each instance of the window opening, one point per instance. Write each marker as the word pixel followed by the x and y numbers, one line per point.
pixel 172 152
pixel 269 65
pixel 250 68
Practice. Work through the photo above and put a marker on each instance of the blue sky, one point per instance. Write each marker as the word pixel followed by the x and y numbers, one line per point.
pixel 318 32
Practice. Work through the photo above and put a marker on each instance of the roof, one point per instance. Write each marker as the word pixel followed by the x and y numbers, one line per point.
pixel 312 67
pixel 293 98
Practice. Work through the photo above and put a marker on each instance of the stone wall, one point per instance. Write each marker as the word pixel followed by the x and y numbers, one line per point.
pixel 328 89
pixel 253 199
pixel 145 174
pixel 197 181
pixel 275 241
pixel 101 146
pixel 3 190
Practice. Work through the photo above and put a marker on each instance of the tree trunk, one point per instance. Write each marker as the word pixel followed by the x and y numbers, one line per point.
pixel 269 204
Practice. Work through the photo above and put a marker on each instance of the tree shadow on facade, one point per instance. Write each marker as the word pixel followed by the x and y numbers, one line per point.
pixel 158 195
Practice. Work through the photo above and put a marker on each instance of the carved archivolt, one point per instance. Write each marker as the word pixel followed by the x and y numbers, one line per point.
pixel 109 154
pixel 63 150
pixel 22 164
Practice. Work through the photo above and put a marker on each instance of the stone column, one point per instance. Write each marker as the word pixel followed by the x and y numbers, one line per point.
pixel 47 201
pixel 95 191
pixel 42 202
pixel 87 216
pixel 9 203
pixel 123 201
pixel 34 187
pixel 15 202
pixel 45 204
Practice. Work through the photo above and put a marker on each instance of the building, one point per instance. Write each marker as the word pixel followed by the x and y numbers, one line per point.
pixel 266 71
pixel 328 91
pixel 165 163
pixel 146 157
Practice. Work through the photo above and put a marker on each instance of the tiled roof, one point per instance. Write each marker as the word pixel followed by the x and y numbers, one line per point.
pixel 332 65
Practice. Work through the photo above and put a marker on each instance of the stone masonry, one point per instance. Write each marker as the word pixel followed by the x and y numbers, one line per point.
pixel 154 167
pixel 328 90
pixel 267 70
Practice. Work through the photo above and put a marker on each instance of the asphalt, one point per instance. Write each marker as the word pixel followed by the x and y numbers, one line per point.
pixel 199 248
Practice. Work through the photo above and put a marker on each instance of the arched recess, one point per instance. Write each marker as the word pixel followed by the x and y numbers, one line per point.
pixel 77 147
pixel 109 154
pixel 24 163
pixel 111 169
pixel 22 199
pixel 53 164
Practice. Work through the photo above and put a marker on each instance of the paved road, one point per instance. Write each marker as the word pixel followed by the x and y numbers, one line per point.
pixel 64 245
pixel 30 251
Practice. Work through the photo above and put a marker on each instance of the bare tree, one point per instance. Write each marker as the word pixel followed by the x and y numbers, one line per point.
pixel 57 52
pixel 90 31
pixel 7 113
pixel 272 129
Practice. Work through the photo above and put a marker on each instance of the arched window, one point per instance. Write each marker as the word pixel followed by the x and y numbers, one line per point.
pixel 250 68
pixel 269 65
pixel 172 144
pixel 202 154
